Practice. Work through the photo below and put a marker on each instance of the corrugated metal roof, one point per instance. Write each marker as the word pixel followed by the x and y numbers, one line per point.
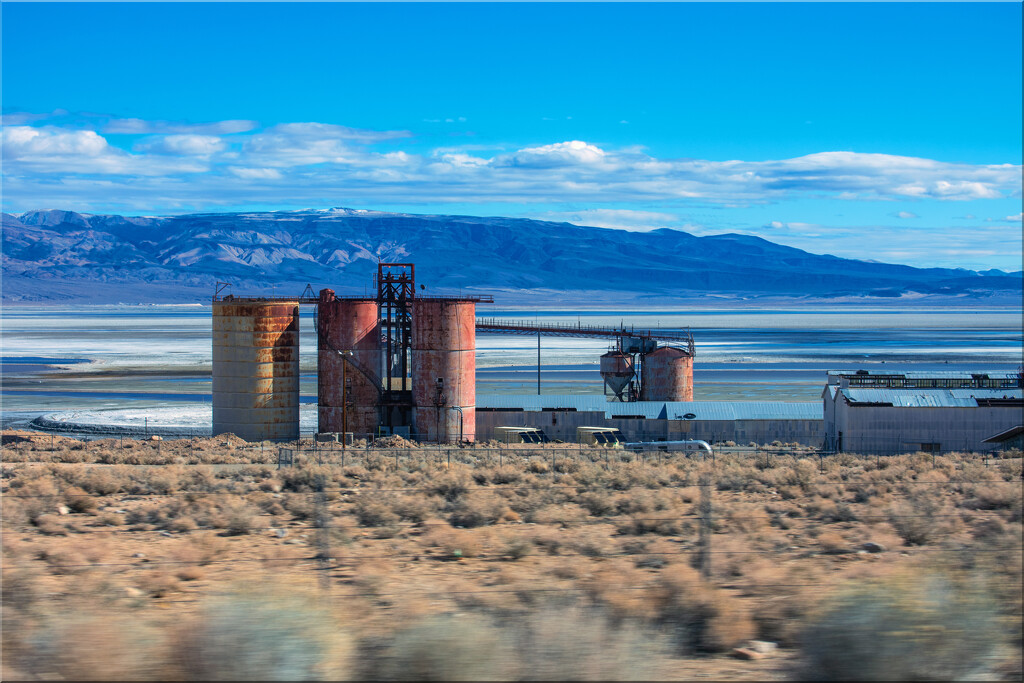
pixel 998 392
pixel 653 410
pixel 923 374
pixel 927 398
pixel 1005 435
pixel 746 410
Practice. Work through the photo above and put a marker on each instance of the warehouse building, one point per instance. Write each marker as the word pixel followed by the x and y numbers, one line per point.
pixel 712 421
pixel 889 413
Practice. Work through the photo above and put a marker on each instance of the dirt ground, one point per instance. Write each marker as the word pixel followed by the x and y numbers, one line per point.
pixel 514 562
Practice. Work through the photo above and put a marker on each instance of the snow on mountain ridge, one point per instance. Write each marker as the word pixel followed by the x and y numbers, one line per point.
pixel 45 250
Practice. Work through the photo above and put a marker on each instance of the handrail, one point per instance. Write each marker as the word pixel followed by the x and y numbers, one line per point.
pixel 497 326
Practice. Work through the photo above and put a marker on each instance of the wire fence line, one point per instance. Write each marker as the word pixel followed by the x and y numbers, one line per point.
pixel 326 559
pixel 581 488
pixel 289 456
pixel 145 563
pixel 321 523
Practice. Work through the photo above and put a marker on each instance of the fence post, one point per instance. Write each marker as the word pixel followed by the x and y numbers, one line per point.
pixel 323 534
pixel 704 557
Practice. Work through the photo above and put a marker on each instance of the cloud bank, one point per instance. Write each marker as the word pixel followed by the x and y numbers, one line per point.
pixel 172 165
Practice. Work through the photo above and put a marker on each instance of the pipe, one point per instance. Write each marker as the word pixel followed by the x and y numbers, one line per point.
pixel 459 408
pixel 538 362
pixel 344 398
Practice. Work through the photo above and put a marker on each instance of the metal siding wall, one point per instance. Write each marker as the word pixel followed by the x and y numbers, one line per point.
pixel 888 430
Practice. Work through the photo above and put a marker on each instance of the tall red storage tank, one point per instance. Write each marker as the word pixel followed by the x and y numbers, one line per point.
pixel 667 375
pixel 444 369
pixel 347 325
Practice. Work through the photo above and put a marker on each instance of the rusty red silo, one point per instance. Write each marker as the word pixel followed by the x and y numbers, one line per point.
pixel 444 369
pixel 348 326
pixel 256 368
pixel 667 375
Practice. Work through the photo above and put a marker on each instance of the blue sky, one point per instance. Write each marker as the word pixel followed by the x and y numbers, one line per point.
pixel 880 131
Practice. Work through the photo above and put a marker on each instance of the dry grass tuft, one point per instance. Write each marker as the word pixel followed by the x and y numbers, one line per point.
pixel 94 539
pixel 903 628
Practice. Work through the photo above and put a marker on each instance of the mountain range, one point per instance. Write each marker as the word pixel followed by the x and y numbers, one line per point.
pixel 53 256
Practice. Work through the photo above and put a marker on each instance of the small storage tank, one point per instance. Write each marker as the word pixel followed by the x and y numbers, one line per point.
pixel 617 371
pixel 348 325
pixel 256 369
pixel 444 369
pixel 667 375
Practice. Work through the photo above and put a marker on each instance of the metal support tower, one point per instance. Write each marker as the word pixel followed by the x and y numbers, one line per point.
pixel 396 293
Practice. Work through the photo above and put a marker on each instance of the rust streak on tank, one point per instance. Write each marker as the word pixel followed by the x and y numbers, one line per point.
pixel 667 375
pixel 444 369
pixel 348 326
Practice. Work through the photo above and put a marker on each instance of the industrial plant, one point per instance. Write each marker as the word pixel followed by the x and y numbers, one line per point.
pixel 402 363
pixel 398 363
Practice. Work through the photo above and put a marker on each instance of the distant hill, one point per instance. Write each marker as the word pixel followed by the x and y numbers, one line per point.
pixel 62 256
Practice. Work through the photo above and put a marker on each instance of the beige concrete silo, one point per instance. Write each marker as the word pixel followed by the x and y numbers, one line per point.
pixel 256 369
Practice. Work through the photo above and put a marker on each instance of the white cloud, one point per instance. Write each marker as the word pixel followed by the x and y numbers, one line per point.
pixel 303 144
pixel 569 153
pixel 460 160
pixel 905 214
pixel 183 145
pixel 143 127
pixel 1016 218
pixel 621 219
pixel 48 151
pixel 881 175
pixel 793 227
pixel 255 173
pixel 26 142
pixel 19 118
pixel 306 164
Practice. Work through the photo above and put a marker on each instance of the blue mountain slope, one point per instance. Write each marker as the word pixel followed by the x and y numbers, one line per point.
pixel 65 256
